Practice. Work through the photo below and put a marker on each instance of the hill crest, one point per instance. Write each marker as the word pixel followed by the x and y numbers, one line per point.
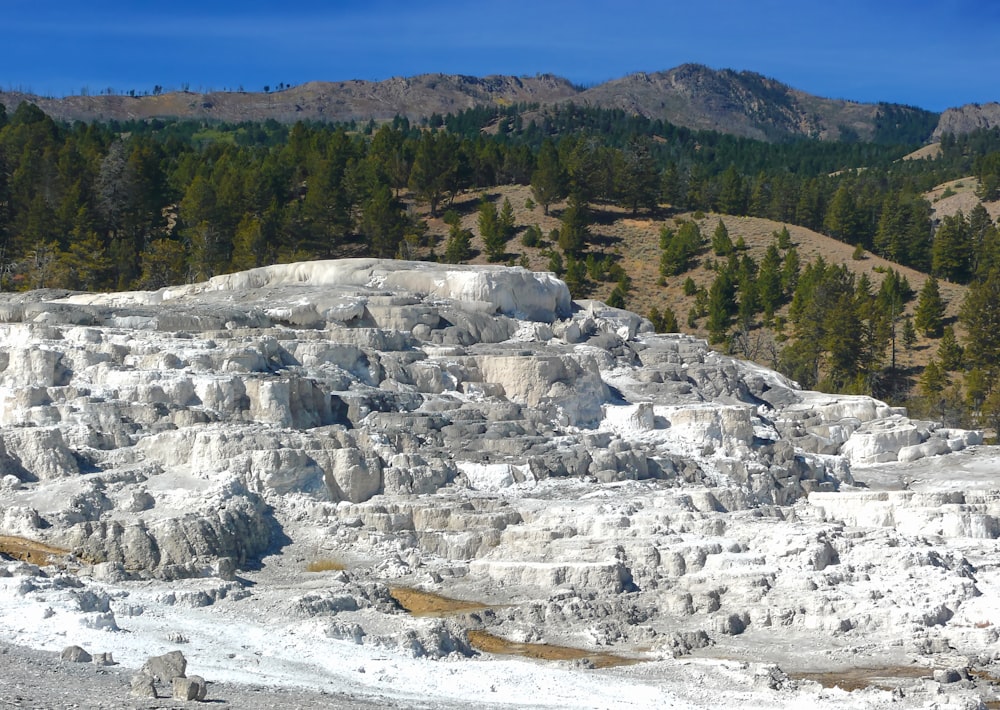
pixel 693 96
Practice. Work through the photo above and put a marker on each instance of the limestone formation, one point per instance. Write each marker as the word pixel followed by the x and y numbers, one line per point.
pixel 291 443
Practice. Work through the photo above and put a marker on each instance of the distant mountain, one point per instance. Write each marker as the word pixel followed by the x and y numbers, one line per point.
pixel 415 97
pixel 694 96
pixel 751 105
pixel 970 117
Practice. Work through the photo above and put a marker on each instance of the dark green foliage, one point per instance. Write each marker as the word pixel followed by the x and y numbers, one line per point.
pixel 575 276
pixel 383 223
pixel 928 317
pixel 980 316
pixel 574 227
pixel 909 333
pixel 458 248
pixel 638 179
pixel 722 245
pixel 505 221
pixel 949 352
pixel 951 256
pixel 733 196
pixel 663 321
pixel 679 248
pixel 828 322
pixel 548 182
pixel 899 125
pixel 689 287
pixel 556 263
pixel 491 231
pixel 770 293
pixel 784 238
pixel 721 305
pixel 435 167
pixel 532 236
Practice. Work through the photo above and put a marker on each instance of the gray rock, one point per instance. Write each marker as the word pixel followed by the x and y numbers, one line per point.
pixel 143 686
pixel 75 654
pixel 166 667
pixel 193 688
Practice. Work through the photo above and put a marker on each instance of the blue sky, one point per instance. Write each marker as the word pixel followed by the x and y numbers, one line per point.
pixel 929 54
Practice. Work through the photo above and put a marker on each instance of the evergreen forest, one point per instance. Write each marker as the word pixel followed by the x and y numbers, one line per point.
pixel 145 204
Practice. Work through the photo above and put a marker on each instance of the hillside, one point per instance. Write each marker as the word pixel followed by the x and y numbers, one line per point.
pixel 692 96
pixel 740 103
pixel 634 241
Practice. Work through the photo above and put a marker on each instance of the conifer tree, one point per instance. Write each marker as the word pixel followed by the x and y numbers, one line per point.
pixel 574 229
pixel 722 245
pixel 980 315
pixel 949 352
pixel 909 333
pixel 929 314
pixel 505 221
pixel 951 256
pixel 491 231
pixel 548 181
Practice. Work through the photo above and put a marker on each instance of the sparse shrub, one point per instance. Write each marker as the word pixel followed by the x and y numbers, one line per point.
pixel 532 236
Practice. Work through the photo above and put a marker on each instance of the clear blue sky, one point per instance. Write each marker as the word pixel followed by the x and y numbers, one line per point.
pixel 930 54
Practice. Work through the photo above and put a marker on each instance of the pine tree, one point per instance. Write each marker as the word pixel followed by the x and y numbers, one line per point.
pixel 435 167
pixel 638 180
pixel 382 223
pixel 980 315
pixel 951 256
pixel 732 193
pixel 663 321
pixel 574 230
pixel 506 221
pixel 929 314
pixel 458 248
pixel 722 245
pixel 769 291
pixel 721 306
pixel 491 232
pixel 548 182
pixel 949 352
pixel 909 333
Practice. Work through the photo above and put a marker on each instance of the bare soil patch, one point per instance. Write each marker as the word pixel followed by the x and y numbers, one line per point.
pixel 26 550
pixel 852 679
pixel 488 643
pixel 421 603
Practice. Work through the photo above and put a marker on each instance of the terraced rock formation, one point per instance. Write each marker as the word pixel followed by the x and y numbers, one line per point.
pixel 471 432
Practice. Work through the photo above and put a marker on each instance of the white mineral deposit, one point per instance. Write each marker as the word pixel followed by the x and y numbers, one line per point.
pixel 253 470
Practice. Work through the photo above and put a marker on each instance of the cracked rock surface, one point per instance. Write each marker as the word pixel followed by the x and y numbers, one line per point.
pixel 252 466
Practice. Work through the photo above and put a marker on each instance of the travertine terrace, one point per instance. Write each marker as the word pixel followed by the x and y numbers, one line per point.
pixel 250 465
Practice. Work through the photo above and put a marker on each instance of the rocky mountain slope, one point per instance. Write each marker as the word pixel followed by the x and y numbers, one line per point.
pixel 269 466
pixel 965 119
pixel 740 103
pixel 694 96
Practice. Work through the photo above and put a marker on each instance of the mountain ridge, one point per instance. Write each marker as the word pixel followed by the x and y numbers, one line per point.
pixel 742 103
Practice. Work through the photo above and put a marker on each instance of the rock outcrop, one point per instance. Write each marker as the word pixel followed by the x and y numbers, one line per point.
pixel 472 431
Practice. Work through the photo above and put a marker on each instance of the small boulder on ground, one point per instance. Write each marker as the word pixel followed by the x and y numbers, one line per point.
pixel 166 667
pixel 75 654
pixel 193 688
pixel 143 686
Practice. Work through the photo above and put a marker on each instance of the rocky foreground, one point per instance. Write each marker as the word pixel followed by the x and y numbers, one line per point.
pixel 268 469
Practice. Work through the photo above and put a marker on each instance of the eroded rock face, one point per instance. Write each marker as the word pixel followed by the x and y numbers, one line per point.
pixel 468 428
